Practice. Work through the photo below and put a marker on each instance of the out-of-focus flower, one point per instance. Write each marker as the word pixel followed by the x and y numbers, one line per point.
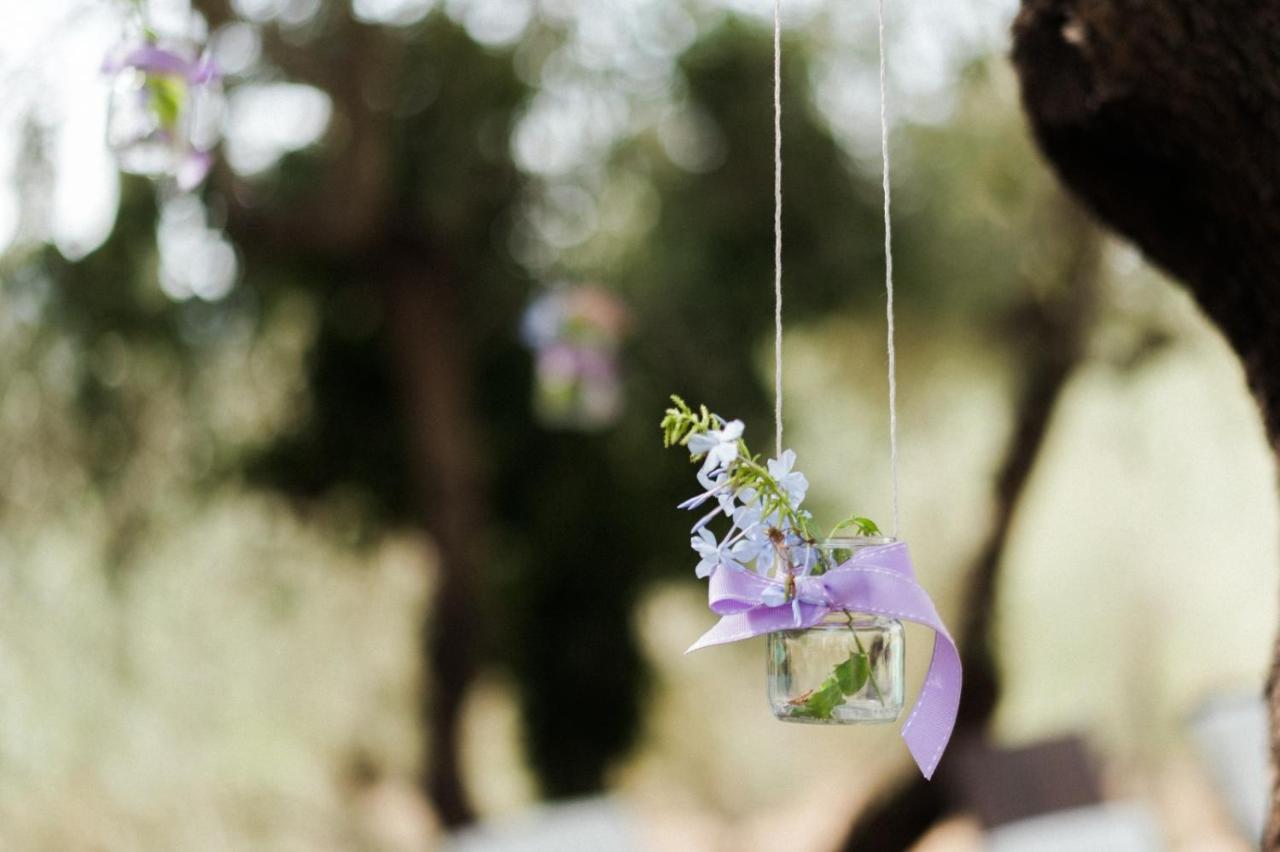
pixel 575 333
pixel 165 110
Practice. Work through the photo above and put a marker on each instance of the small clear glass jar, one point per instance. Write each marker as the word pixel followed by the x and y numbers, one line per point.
pixel 849 669
pixel 157 119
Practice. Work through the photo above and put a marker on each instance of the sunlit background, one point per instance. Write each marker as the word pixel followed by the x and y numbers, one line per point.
pixel 245 432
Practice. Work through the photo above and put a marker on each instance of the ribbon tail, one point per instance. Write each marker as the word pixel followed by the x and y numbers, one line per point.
pixel 928 729
pixel 884 584
pixel 730 628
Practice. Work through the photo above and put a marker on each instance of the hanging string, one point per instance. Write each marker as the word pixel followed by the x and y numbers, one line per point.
pixel 888 272
pixel 891 342
pixel 777 223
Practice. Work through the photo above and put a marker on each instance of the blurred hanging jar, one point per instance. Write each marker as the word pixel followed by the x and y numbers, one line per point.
pixel 165 111
pixel 576 334
pixel 848 668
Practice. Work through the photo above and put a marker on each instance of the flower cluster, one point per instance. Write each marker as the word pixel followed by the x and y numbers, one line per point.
pixel 769 531
pixel 575 334
pixel 165 110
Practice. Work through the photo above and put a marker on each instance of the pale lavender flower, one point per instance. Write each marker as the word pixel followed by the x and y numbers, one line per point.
pixel 774 595
pixel 697 500
pixel 719 488
pixel 804 559
pixel 719 445
pixel 708 549
pixel 746 550
pixel 794 483
pixel 765 558
pixel 747 518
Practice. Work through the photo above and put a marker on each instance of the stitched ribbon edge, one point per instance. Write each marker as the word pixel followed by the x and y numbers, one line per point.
pixel 877 580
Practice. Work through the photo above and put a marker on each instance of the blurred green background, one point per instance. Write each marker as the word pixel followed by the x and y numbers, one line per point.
pixel 283 525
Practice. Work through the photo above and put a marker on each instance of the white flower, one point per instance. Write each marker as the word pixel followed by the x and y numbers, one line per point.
pixel 705 519
pixel 719 445
pixel 709 550
pixel 695 502
pixel 793 483
pixel 714 489
pixel 774 595
pixel 746 549
pixel 719 486
pixel 765 558
pixel 747 519
pixel 751 536
pixel 805 559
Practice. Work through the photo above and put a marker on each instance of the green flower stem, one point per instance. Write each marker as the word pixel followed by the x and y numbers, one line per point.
pixel 760 479
pixel 871 672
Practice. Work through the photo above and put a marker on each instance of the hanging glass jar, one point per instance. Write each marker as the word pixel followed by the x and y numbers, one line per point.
pixel 165 109
pixel 847 669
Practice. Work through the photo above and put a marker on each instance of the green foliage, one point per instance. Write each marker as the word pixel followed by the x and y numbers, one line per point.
pixel 681 423
pixel 852 674
pixel 864 526
pixel 846 679
pixel 559 593
pixel 747 474
pixel 822 702
pixel 168 93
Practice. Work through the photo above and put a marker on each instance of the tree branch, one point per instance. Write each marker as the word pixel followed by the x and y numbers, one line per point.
pixel 1164 117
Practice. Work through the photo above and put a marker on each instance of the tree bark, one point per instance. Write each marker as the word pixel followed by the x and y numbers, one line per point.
pixel 430 364
pixel 1054 334
pixel 351 212
pixel 1164 117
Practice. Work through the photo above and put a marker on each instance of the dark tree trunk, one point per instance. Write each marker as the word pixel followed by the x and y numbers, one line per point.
pixel 1164 117
pixel 349 214
pixel 431 365
pixel 1053 332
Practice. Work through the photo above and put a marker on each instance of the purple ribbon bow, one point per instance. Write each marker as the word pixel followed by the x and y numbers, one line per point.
pixel 199 72
pixel 877 581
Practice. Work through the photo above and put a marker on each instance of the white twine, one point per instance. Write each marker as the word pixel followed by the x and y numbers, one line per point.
pixel 891 343
pixel 777 223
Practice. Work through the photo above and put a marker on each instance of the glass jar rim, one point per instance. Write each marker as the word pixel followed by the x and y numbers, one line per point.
pixel 855 541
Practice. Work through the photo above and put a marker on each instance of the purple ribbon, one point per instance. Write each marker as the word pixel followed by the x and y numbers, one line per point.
pixel 156 60
pixel 199 72
pixel 878 580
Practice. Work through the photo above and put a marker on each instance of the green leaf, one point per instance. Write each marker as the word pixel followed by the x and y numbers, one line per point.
pixel 848 678
pixel 853 673
pixel 822 702
pixel 168 94
pixel 865 526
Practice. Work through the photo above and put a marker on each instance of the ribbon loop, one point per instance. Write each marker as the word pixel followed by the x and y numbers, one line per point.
pixel 813 590
pixel 877 581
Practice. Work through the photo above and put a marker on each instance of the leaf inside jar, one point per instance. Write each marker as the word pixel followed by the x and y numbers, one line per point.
pixel 846 679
